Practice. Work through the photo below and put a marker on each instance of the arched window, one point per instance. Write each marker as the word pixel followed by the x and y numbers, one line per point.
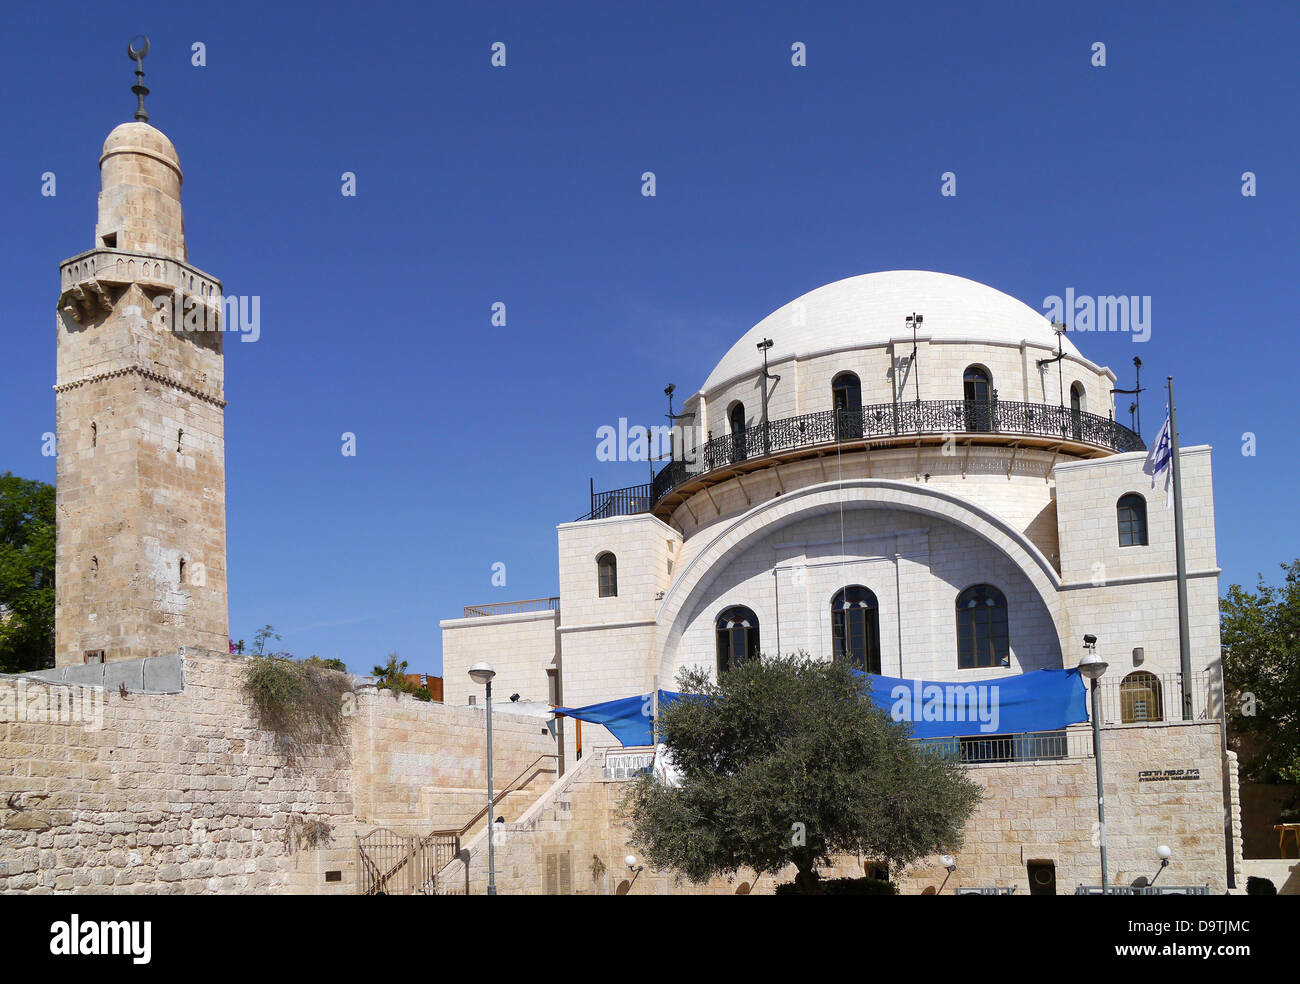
pixel 1132 514
pixel 180 572
pixel 1077 405
pixel 737 631
pixel 94 567
pixel 736 418
pixel 1140 698
pixel 180 437
pixel 607 575
pixel 855 628
pixel 846 401
pixel 983 638
pixel 977 391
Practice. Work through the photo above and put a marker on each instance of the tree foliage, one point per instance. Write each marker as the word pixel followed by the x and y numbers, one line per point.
pixel 786 761
pixel 27 527
pixel 392 676
pixel 1261 666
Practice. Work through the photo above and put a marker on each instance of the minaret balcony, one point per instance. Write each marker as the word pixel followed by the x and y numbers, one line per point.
pixel 88 281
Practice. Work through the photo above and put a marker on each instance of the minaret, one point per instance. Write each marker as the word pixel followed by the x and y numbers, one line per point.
pixel 141 554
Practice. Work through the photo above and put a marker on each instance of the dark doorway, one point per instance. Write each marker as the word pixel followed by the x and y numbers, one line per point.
pixel 739 452
pixel 977 391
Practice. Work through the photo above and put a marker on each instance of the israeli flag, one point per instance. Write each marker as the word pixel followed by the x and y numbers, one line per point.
pixel 1160 460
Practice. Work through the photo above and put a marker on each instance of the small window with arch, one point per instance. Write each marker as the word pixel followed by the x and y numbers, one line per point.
pixel 737 637
pixel 607 575
pixel 1131 514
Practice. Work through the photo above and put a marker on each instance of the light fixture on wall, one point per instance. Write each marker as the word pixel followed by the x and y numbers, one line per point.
pixel 1139 654
pixel 950 865
pixel 1164 854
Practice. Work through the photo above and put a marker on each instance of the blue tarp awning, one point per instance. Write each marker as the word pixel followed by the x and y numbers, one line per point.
pixel 629 719
pixel 1042 700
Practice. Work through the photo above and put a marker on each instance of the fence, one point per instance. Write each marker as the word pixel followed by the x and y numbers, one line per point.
pixel 404 864
pixel 1141 697
pixel 513 607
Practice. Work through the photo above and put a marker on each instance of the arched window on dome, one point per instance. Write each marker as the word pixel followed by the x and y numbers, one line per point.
pixel 1131 511
pixel 736 418
pixel 983 637
pixel 1140 698
pixel 846 401
pixel 855 628
pixel 977 391
pixel 607 575
pixel 737 637
pixel 1078 404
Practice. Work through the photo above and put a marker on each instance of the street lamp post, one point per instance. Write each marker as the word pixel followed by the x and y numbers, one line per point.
pixel 1093 666
pixel 483 673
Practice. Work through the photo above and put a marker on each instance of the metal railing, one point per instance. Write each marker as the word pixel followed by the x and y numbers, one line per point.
pixel 404 864
pixel 875 422
pixel 1034 746
pixel 1143 890
pixel 620 502
pixel 1141 697
pixel 513 607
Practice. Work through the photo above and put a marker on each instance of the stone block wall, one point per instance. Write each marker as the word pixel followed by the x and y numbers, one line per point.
pixel 184 793
pixel 1041 811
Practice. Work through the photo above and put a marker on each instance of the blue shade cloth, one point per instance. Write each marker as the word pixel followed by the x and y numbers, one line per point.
pixel 1043 700
pixel 628 718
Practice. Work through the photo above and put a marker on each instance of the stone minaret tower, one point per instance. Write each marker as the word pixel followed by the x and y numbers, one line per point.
pixel 141 555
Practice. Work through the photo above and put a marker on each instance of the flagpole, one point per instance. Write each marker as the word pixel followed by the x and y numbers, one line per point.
pixel 654 711
pixel 1180 552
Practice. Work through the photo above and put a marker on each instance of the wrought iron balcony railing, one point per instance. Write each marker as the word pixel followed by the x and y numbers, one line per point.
pixel 871 423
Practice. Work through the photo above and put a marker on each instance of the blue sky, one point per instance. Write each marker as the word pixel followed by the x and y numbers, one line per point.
pixel 522 185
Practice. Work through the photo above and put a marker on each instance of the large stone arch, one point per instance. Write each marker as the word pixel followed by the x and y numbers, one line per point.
pixel 765 518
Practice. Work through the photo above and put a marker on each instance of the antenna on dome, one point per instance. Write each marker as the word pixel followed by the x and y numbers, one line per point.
pixel 1135 408
pixel 914 322
pixel 763 346
pixel 1059 328
pixel 136 53
pixel 672 423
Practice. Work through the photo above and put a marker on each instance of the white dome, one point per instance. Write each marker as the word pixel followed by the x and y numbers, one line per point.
pixel 869 309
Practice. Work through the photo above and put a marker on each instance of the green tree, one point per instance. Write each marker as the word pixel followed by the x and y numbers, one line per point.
pixel 1261 669
pixel 329 664
pixel 391 672
pixel 786 761
pixel 392 676
pixel 261 637
pixel 27 527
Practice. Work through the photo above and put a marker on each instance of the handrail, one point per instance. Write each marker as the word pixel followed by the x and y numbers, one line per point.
pixel 505 790
pixel 877 422
pixel 512 607
pixel 970 417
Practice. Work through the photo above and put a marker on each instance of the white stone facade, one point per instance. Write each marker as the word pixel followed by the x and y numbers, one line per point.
pixel 916 518
pixel 915 521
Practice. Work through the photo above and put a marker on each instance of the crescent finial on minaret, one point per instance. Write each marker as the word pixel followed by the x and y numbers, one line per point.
pixel 136 53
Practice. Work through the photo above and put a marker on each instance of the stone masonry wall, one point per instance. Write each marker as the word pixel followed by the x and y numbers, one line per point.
pixel 183 793
pixel 1031 812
